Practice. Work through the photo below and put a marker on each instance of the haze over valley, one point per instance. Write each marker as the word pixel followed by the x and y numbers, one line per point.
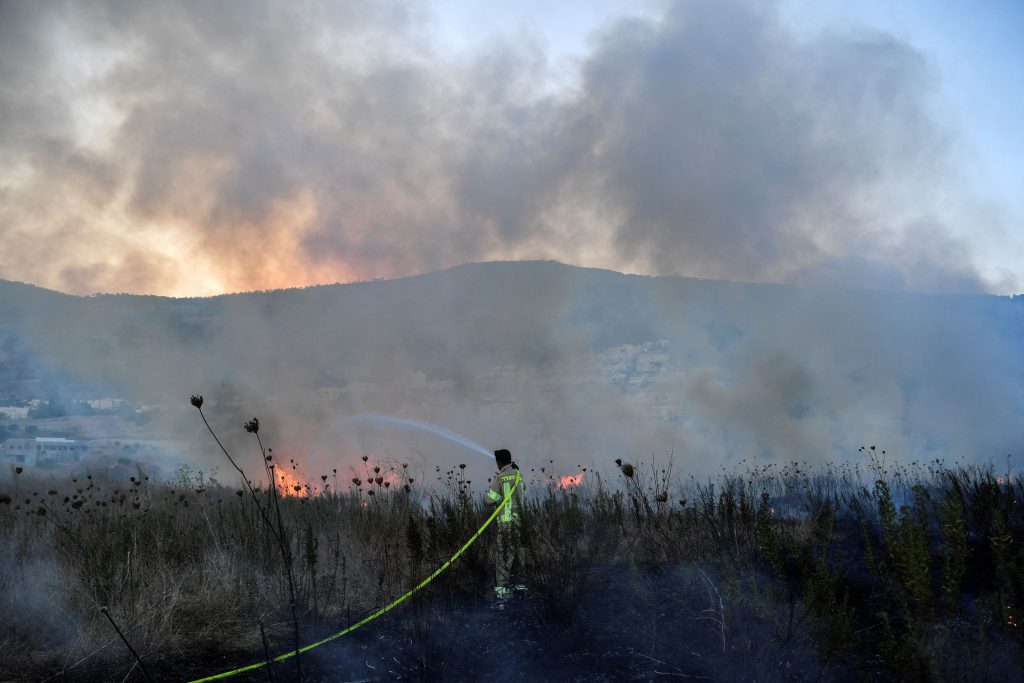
pixel 574 365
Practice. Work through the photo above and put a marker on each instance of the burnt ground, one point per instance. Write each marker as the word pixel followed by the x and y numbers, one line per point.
pixel 627 626
pixel 516 644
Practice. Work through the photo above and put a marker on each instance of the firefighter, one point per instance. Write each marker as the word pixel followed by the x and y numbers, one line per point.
pixel 509 550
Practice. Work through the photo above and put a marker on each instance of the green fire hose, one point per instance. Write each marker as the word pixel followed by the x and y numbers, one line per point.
pixel 382 611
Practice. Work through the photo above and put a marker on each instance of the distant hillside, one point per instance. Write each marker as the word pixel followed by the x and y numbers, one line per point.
pixel 476 315
pixel 811 355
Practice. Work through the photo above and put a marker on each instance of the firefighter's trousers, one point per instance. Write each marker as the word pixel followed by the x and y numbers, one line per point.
pixel 509 558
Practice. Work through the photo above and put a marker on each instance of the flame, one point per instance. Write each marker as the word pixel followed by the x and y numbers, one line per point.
pixel 569 480
pixel 286 482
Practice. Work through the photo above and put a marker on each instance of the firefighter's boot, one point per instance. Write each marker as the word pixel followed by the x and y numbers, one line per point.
pixel 502 596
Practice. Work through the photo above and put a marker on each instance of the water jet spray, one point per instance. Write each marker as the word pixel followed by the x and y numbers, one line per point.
pixel 423 426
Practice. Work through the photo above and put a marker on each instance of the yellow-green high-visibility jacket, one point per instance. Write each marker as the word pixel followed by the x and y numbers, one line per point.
pixel 502 486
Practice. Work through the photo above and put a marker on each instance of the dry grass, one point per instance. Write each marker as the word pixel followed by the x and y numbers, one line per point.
pixel 870 572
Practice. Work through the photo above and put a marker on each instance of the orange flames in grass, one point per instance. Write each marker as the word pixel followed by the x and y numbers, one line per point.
pixel 288 484
pixel 569 480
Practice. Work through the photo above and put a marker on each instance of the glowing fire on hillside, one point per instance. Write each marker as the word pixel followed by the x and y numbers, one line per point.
pixel 569 480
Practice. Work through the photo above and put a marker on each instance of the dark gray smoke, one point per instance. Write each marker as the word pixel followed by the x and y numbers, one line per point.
pixel 212 147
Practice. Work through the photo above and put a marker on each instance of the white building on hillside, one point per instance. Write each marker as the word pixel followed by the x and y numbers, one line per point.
pixel 106 403
pixel 42 451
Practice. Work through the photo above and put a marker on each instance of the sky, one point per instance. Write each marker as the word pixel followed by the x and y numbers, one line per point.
pixel 187 148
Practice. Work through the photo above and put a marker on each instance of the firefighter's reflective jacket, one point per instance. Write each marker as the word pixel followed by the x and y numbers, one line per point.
pixel 502 486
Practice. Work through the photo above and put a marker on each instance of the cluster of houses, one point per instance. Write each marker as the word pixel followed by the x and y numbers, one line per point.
pixel 47 451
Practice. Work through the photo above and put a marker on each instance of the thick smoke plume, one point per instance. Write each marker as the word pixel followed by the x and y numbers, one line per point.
pixel 198 148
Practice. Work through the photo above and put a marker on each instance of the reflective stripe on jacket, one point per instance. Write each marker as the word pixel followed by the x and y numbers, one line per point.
pixel 501 488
